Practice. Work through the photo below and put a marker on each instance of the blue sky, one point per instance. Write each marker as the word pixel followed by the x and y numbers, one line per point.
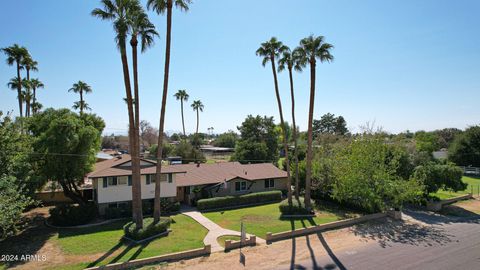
pixel 403 64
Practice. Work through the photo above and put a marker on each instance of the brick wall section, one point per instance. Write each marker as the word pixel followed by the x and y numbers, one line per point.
pixel 327 226
pixel 229 244
pixel 205 251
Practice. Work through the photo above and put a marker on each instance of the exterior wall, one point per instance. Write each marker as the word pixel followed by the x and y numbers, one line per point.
pixel 121 193
pixel 256 186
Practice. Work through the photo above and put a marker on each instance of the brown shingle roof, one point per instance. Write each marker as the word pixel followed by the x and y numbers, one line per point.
pixel 217 173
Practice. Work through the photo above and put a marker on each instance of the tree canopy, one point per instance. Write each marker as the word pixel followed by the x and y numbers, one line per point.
pixel 329 124
pixel 465 149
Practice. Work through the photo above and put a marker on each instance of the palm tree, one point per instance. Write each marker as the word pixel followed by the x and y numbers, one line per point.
pixel 27 96
pixel 121 12
pixel 182 96
pixel 80 88
pixel 269 51
pixel 36 84
pixel 309 50
pixel 198 107
pixel 16 84
pixel 15 55
pixel 288 61
pixel 29 64
pixel 36 106
pixel 162 6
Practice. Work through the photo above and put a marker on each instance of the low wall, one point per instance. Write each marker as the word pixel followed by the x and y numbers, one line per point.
pixel 271 237
pixel 437 206
pixel 229 244
pixel 206 250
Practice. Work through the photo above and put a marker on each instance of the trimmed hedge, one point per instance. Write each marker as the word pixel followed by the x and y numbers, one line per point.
pixel 72 215
pixel 149 228
pixel 230 201
pixel 297 208
pixel 112 213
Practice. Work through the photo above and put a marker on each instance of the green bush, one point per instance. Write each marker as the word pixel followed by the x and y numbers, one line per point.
pixel 297 207
pixel 231 201
pixel 112 213
pixel 72 215
pixel 149 228
pixel 168 207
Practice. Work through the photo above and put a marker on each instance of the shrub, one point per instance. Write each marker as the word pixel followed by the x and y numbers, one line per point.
pixel 111 213
pixel 168 207
pixel 440 176
pixel 149 228
pixel 297 207
pixel 72 215
pixel 230 201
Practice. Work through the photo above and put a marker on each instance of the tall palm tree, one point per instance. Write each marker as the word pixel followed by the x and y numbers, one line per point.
pixel 120 12
pixel 287 60
pixel 269 51
pixel 198 107
pixel 16 85
pixel 182 96
pixel 310 49
pixel 80 88
pixel 162 6
pixel 15 55
pixel 29 64
pixel 27 96
pixel 36 84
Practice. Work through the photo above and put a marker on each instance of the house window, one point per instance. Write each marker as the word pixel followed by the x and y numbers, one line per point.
pixel 112 205
pixel 112 181
pixel 240 186
pixel 269 183
pixel 122 180
pixel 170 178
pixel 148 179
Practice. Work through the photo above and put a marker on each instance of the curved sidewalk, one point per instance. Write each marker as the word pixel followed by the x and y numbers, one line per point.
pixel 214 231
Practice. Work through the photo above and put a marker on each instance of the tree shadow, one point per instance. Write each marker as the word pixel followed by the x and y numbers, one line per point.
pixel 387 232
pixel 439 219
pixel 27 242
pixel 106 255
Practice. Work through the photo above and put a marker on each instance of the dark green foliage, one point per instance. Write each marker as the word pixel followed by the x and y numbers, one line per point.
pixel 258 141
pixel 188 153
pixel 231 201
pixel 440 176
pixel 169 207
pixel 149 228
pixel 66 145
pixel 297 207
pixel 72 215
pixel 446 136
pixel 112 213
pixel 426 141
pixel 465 149
pixel 330 124
pixel 167 150
pixel 227 139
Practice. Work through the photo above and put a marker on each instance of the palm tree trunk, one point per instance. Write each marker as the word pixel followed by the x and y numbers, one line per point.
pixel 285 143
pixel 183 120
pixel 310 139
pixel 34 109
pixel 81 102
pixel 295 154
pixel 136 181
pixel 156 209
pixel 198 121
pixel 28 103
pixel 19 90
pixel 136 138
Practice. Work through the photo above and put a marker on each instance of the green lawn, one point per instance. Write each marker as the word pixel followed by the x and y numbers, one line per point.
pixel 471 181
pixel 106 240
pixel 259 220
pixel 221 239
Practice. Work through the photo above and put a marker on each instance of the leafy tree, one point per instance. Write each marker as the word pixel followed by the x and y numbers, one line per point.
pixel 175 137
pixel 309 50
pixel 439 176
pixel 182 96
pixel 446 136
pixel 66 145
pixel 366 176
pixel 15 56
pixel 258 141
pixel 227 139
pixel 13 202
pixel 329 124
pixel 465 149
pixel 162 7
pixel 188 153
pixel 168 150
pixel 148 134
pixel 426 141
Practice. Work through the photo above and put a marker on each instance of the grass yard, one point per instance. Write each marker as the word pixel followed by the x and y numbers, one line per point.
pixel 101 245
pixel 473 182
pixel 259 220
pixel 221 240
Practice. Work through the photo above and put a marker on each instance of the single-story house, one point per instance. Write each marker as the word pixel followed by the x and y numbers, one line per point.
pixel 112 180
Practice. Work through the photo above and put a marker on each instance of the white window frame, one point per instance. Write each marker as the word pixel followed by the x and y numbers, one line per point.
pixel 242 188
pixel 110 181
pixel 123 178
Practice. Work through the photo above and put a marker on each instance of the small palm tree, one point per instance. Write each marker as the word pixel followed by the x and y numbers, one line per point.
pixel 35 83
pixel 182 96
pixel 80 88
pixel 27 96
pixel 160 7
pixel 270 51
pixel 36 107
pixel 198 107
pixel 29 64
pixel 288 61
pixel 15 55
pixel 310 49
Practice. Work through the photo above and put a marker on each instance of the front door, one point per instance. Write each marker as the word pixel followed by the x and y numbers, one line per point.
pixel 180 194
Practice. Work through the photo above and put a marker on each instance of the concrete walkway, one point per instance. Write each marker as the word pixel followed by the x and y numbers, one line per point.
pixel 214 231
